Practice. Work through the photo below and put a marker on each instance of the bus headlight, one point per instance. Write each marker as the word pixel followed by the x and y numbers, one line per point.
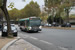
pixel 30 28
pixel 40 27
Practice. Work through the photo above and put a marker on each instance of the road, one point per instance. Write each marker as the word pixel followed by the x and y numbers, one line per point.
pixel 73 26
pixel 48 38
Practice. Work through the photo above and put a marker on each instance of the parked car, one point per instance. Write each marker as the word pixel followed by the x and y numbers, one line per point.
pixel 48 25
pixel 66 25
pixel 42 24
pixel 55 24
pixel 0 27
pixel 13 30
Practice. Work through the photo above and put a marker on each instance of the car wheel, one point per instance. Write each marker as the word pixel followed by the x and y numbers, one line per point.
pixel 15 34
pixel 4 34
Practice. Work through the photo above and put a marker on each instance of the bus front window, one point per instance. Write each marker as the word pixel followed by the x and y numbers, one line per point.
pixel 35 22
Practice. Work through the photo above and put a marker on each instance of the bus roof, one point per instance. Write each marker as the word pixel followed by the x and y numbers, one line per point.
pixel 24 19
pixel 27 18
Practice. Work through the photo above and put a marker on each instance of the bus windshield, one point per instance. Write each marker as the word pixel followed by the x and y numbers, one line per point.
pixel 35 22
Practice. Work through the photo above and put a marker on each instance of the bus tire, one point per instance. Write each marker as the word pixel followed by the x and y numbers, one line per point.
pixel 21 29
pixel 36 31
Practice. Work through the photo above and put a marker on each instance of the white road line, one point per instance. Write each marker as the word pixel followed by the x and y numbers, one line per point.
pixel 46 42
pixel 63 48
pixel 34 38
pixel 26 36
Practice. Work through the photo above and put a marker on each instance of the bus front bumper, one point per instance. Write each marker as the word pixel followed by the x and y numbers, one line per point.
pixel 35 30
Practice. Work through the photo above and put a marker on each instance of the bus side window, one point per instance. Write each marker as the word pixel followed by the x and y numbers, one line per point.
pixel 27 23
pixel 22 23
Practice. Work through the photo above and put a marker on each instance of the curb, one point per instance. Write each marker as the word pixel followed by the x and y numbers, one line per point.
pixel 65 28
pixel 8 44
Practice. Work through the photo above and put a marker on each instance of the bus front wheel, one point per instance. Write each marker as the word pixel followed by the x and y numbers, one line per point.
pixel 36 31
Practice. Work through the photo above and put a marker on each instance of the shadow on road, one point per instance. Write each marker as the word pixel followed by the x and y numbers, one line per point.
pixel 33 32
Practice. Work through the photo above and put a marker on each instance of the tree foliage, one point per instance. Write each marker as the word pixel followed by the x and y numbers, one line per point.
pixel 31 9
pixel 59 6
pixel 4 9
pixel 14 14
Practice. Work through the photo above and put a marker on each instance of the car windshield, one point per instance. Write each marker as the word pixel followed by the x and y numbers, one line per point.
pixel 12 28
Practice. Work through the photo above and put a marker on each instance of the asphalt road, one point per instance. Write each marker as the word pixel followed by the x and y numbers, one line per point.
pixel 73 26
pixel 51 39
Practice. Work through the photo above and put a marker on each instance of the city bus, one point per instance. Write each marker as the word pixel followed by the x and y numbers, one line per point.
pixel 30 24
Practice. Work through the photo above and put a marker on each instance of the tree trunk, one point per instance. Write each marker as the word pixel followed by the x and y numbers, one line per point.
pixel 53 14
pixel 7 18
pixel 59 18
pixel 67 11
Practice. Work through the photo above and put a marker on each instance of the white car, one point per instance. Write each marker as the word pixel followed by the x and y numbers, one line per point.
pixel 48 25
pixel 13 30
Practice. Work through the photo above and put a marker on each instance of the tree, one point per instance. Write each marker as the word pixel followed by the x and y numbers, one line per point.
pixel 72 16
pixel 14 14
pixel 31 9
pixel 43 16
pixel 61 5
pixel 68 4
pixel 4 9
pixel 49 19
pixel 51 6
pixel 1 15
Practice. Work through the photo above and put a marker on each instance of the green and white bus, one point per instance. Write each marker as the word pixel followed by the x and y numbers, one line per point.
pixel 30 24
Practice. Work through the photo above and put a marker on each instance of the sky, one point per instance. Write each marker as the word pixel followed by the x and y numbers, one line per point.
pixel 19 4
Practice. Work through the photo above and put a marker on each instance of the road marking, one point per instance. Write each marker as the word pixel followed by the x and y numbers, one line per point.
pixel 63 48
pixel 46 42
pixel 26 35
pixel 34 38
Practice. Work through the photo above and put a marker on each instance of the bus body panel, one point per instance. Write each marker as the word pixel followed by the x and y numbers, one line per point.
pixel 30 24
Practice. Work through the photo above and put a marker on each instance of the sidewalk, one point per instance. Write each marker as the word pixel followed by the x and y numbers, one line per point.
pixel 22 45
pixel 15 44
pixel 4 41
